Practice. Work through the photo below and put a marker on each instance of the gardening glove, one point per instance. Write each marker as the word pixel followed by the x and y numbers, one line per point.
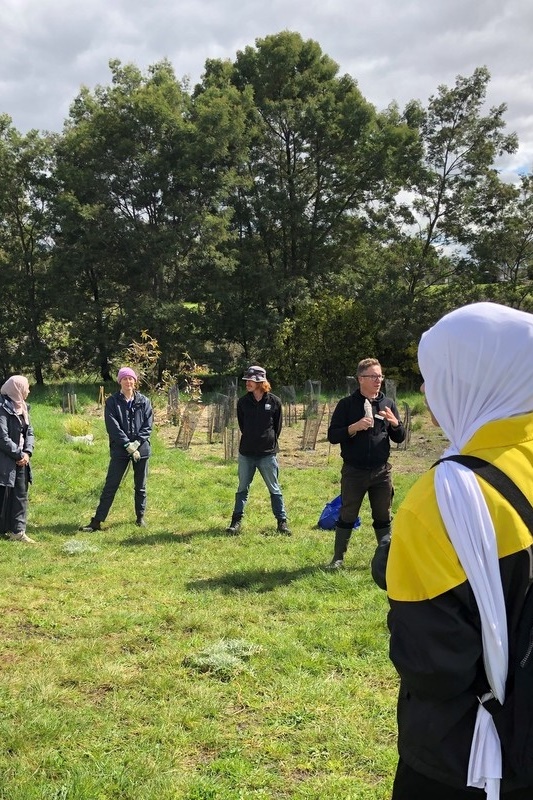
pixel 136 455
pixel 132 447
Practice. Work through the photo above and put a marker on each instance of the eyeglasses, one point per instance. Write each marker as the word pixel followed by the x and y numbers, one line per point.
pixel 373 377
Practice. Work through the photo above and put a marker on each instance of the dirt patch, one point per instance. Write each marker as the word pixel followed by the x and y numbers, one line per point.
pixel 425 445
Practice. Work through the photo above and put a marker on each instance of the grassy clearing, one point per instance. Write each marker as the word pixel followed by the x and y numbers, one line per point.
pixel 176 662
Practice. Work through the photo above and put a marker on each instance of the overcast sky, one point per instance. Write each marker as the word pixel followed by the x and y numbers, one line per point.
pixel 395 49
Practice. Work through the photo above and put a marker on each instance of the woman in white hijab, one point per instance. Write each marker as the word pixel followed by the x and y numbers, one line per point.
pixel 459 562
pixel 16 447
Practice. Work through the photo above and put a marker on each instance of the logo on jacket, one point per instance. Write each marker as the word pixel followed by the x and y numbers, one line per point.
pixel 268 406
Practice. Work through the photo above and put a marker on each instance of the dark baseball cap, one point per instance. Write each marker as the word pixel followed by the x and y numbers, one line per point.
pixel 257 374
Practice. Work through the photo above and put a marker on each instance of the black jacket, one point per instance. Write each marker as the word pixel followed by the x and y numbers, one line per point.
pixel 11 428
pixel 124 426
pixel 260 423
pixel 367 449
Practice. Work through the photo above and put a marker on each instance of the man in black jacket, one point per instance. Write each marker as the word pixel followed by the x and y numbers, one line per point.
pixel 259 414
pixel 363 424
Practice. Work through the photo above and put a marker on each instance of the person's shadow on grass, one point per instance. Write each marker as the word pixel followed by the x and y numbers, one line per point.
pixel 178 537
pixel 258 581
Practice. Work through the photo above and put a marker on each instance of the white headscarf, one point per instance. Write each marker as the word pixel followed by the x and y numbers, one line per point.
pixel 477 366
pixel 17 389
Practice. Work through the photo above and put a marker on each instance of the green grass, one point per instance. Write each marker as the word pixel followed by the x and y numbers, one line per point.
pixel 176 662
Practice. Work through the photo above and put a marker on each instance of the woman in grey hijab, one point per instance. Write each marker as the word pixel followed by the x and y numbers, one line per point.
pixel 16 448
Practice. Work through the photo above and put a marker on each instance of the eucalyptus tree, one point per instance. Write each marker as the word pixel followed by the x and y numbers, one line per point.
pixel 424 267
pixel 144 171
pixel 502 253
pixel 456 189
pixel 321 167
pixel 26 189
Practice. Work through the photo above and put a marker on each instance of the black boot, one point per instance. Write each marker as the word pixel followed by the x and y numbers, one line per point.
pixel 235 526
pixel 342 537
pixel 140 521
pixel 378 565
pixel 94 525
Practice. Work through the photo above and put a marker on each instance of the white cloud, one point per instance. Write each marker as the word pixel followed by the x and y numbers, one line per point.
pixel 394 50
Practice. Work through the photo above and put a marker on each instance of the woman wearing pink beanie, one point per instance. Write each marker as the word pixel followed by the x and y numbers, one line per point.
pixel 129 419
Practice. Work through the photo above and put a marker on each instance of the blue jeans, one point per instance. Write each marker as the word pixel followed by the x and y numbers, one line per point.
pixel 268 469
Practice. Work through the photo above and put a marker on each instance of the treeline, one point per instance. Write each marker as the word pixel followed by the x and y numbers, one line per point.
pixel 268 214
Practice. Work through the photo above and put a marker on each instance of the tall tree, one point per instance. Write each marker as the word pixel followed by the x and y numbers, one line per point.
pixel 449 207
pixel 461 145
pixel 26 190
pixel 144 173
pixel 502 253
pixel 321 164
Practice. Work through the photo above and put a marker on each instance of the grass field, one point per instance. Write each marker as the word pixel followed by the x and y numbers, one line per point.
pixel 177 662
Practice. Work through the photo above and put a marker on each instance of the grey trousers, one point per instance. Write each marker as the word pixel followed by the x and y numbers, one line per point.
pixel 14 503
pixel 115 472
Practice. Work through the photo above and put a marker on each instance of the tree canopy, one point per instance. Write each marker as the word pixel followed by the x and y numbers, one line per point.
pixel 270 214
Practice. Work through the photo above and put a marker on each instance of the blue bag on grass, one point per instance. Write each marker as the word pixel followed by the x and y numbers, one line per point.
pixel 330 514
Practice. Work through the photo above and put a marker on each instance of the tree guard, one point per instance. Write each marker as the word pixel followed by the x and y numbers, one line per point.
pixel 390 389
pixel 288 399
pixel 231 435
pixel 189 420
pixel 218 419
pixel 351 384
pixel 312 398
pixel 311 427
pixel 407 425
pixel 70 400
pixel 173 405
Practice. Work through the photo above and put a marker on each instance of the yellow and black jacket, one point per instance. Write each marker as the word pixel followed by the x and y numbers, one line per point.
pixel 435 630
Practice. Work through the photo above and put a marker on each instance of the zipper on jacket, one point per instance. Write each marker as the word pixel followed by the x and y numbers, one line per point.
pixel 525 659
pixel 529 649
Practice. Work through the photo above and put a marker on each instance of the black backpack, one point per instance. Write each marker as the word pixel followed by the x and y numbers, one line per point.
pixel 513 719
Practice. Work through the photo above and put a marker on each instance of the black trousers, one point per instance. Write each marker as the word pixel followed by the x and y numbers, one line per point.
pixel 355 483
pixel 411 785
pixel 115 472
pixel 14 503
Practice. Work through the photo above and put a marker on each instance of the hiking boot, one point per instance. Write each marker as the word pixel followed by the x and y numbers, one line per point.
pixel 337 563
pixel 21 536
pixel 234 527
pixel 283 527
pixel 94 525
pixel 140 522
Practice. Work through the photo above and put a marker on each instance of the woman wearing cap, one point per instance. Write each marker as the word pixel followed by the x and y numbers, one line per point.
pixel 259 414
pixel 16 447
pixel 128 419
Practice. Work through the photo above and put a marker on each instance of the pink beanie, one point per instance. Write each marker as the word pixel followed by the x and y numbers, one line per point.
pixel 126 372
